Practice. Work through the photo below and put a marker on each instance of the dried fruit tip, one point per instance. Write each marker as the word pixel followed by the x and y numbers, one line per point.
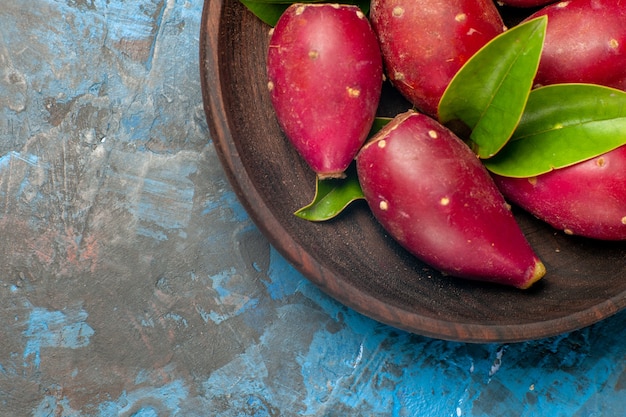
pixel 538 272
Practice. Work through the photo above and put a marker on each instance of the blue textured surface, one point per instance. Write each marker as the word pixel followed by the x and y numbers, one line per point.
pixel 133 283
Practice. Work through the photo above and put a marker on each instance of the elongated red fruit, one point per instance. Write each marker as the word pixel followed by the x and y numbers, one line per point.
pixel 432 194
pixel 586 199
pixel 425 42
pixel 585 43
pixel 325 78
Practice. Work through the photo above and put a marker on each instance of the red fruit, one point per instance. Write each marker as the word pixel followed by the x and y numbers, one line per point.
pixel 325 78
pixel 431 194
pixel 586 199
pixel 425 43
pixel 585 43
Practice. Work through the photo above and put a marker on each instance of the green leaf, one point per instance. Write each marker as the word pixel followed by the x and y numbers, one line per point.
pixel 269 11
pixel 332 196
pixel 563 124
pixel 489 92
pixel 379 123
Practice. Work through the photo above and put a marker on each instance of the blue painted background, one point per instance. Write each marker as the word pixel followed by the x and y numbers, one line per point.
pixel 133 283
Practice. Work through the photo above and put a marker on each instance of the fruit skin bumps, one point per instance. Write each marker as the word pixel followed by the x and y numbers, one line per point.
pixel 325 79
pixel 425 42
pixel 586 199
pixel 433 196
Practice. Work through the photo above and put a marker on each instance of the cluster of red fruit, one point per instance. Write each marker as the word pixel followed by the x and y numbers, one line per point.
pixel 326 65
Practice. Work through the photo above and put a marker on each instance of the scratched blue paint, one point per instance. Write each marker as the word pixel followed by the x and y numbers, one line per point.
pixel 54 329
pixel 50 403
pixel 231 297
pixel 6 159
pixel 228 206
pixel 157 24
pixel 166 400
pixel 159 198
pixel 283 279
pixel 65 49
pixel 177 318
pixel 9 161
pixel 163 201
pixel 133 126
pixel 130 21
pixel 229 383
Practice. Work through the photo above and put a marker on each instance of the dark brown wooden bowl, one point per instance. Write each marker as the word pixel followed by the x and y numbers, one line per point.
pixel 351 258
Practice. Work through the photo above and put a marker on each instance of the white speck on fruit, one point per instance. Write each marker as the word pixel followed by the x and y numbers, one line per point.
pixel 624 220
pixel 270 85
pixel 562 4
pixel 299 10
pixel 271 31
pixel 399 76
pixel 444 201
pixel 460 17
pixel 313 54
pixel 383 205
pixel 353 92
pixel 397 11
pixel 335 5
pixel 568 231
pixel 382 143
pixel 433 134
pixel 471 31
pixel 360 14
pixel 613 44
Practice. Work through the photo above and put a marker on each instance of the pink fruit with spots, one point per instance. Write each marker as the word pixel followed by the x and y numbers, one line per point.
pixel 425 42
pixel 585 43
pixel 586 199
pixel 325 77
pixel 434 197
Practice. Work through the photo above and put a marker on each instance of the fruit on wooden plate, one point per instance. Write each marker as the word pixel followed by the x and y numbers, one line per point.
pixel 325 78
pixel 431 193
pixel 585 199
pixel 585 43
pixel 425 43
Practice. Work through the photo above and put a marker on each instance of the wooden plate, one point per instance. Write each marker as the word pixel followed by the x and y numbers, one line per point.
pixel 351 258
